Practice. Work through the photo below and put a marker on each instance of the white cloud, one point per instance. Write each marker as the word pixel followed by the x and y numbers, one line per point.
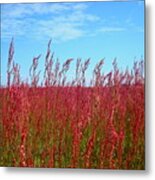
pixel 59 31
pixel 23 10
pixel 59 21
pixel 80 7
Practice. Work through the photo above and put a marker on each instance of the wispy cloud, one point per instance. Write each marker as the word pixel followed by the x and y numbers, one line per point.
pixel 24 10
pixel 61 21
pixel 59 29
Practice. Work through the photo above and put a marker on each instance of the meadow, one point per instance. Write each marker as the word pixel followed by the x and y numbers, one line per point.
pixel 55 123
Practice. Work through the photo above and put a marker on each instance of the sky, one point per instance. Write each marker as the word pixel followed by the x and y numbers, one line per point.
pixel 84 30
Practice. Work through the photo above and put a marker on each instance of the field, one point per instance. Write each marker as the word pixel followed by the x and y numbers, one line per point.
pixel 52 122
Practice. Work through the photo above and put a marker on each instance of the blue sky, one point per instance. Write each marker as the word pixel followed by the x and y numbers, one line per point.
pixel 93 30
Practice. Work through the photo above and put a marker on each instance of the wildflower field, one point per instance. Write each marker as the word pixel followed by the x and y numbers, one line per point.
pixel 53 122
